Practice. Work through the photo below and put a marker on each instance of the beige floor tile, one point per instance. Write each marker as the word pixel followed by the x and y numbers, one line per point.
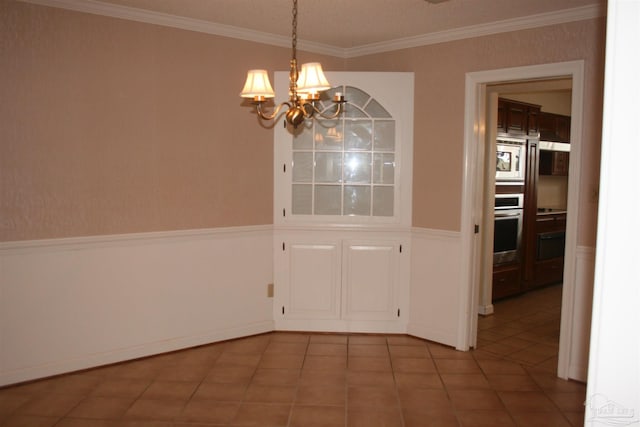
pixel 321 395
pixel 426 399
pixel 325 363
pixel 281 361
pixel 417 380
pixel 151 409
pixel 230 375
pixel 457 366
pixel 502 382
pixel 276 376
pixel 368 339
pixel 50 405
pixel 259 393
pixel 370 378
pixel 411 351
pixel 172 390
pixel 465 381
pixel 29 421
pixel 327 349
pixel 121 387
pixel 422 418
pixel 220 392
pixel 538 419
pixel 329 339
pixel 103 408
pixel 368 350
pixel 367 396
pixel 527 401
pixel 369 364
pixel 317 416
pixel 205 411
pixel 467 400
pixel 367 417
pixel 262 415
pixel 485 419
pixel 413 365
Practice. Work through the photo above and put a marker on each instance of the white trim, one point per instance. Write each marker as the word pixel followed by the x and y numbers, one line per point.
pixel 496 27
pixel 475 88
pixel 71 243
pixel 131 353
pixel 207 27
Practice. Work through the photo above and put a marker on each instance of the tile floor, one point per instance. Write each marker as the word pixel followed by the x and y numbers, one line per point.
pixel 320 380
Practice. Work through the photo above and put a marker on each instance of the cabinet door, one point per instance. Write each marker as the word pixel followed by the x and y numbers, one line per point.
pixel 516 118
pixel 314 281
pixel 369 281
pixel 554 163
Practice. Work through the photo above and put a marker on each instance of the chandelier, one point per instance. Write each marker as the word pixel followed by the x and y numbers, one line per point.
pixel 304 88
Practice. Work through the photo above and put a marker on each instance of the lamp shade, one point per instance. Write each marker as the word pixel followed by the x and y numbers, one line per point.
pixel 257 85
pixel 312 78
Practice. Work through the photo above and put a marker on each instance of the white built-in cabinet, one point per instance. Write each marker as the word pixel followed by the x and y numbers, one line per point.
pixel 342 210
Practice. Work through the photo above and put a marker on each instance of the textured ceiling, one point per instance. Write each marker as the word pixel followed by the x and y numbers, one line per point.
pixel 353 23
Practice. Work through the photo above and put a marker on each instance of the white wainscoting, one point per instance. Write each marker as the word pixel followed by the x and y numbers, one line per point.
pixel 70 304
pixel 435 285
pixel 581 313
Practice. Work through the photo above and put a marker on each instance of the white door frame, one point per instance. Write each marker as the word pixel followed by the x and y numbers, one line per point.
pixel 472 206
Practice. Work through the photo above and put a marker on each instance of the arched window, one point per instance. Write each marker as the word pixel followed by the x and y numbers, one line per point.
pixel 345 166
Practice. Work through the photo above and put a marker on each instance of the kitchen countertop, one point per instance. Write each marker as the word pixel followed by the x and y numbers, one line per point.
pixel 550 211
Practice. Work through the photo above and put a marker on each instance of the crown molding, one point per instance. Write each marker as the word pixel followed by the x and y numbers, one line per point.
pixel 157 18
pixel 497 27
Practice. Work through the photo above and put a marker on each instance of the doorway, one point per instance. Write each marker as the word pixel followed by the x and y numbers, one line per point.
pixel 520 296
pixel 473 202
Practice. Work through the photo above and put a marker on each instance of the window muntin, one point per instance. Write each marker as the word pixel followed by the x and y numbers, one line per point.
pixel 345 166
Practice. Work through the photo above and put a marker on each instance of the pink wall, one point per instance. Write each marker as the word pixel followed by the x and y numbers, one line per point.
pixel 439 109
pixel 110 126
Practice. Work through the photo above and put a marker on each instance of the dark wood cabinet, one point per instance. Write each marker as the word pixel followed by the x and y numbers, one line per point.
pixel 517 118
pixel 554 127
pixel 554 163
pixel 549 255
pixel 506 280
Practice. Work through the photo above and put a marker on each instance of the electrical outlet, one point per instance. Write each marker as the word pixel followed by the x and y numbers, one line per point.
pixel 270 290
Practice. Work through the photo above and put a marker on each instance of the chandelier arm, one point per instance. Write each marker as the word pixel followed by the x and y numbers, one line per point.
pixel 266 116
pixel 315 109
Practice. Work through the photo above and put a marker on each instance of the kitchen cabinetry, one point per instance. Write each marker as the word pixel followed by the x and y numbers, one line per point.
pixel 517 118
pixel 550 242
pixel 554 163
pixel 506 280
pixel 554 127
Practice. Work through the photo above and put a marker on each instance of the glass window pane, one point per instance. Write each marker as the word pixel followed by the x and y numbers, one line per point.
pixel 328 135
pixel 357 167
pixel 354 112
pixel 383 168
pixel 384 135
pixel 374 109
pixel 357 135
pixel 357 200
pixel 382 201
pixel 303 136
pixel 302 166
pixel 327 200
pixel 356 96
pixel 301 199
pixel 328 167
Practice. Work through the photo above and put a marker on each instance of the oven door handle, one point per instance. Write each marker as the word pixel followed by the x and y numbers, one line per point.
pixel 504 215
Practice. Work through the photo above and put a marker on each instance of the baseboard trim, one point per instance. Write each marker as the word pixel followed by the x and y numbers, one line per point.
pixel 131 353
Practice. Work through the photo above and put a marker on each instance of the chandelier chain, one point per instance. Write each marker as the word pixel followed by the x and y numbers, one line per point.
pixel 294 25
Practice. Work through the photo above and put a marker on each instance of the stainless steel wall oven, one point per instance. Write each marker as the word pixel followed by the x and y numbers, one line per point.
pixel 507 233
